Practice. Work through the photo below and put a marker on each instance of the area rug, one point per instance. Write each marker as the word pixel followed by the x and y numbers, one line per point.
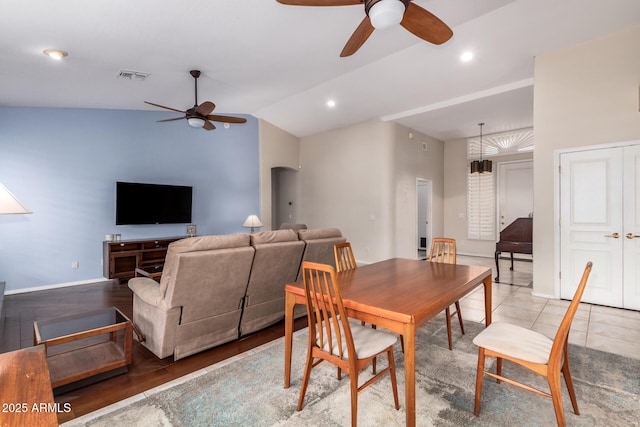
pixel 248 391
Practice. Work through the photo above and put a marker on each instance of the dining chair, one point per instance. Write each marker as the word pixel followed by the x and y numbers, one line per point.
pixel 444 250
pixel 344 257
pixel 345 260
pixel 333 338
pixel 533 351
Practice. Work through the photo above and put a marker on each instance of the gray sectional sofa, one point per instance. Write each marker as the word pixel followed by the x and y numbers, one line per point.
pixel 215 289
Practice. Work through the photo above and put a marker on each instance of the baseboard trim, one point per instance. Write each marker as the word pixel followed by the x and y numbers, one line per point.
pixel 55 286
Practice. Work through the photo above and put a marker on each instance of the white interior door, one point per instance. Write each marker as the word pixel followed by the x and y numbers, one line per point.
pixel 515 189
pixel 632 227
pixel 591 227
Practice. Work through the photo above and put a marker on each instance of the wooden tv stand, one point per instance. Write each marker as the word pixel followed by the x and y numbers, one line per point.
pixel 121 258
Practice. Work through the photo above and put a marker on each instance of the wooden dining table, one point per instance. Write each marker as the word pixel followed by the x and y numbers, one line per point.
pixel 399 295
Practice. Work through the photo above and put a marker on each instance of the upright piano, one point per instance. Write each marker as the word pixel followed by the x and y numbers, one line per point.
pixel 517 237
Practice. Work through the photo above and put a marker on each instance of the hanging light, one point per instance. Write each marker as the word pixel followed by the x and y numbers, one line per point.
pixel 481 166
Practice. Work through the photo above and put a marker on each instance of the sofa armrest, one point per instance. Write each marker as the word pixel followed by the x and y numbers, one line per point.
pixel 148 290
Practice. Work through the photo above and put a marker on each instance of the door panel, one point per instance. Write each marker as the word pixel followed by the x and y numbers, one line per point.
pixel 516 191
pixel 632 227
pixel 590 215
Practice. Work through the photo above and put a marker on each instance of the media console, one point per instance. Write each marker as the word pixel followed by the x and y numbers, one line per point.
pixel 121 258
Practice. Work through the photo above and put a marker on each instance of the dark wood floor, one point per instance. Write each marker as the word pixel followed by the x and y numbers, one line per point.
pixel 146 370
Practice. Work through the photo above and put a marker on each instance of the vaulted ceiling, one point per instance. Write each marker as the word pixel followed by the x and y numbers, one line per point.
pixel 281 63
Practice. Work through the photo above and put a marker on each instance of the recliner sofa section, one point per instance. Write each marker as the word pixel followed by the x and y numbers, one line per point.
pixel 198 303
pixel 276 262
pixel 215 289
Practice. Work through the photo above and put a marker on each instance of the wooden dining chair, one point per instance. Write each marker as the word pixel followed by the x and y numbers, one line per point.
pixel 333 338
pixel 344 257
pixel 533 351
pixel 346 261
pixel 444 250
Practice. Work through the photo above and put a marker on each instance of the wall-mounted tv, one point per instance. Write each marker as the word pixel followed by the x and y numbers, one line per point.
pixel 138 203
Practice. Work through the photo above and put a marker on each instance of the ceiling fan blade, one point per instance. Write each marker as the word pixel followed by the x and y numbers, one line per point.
pixel 425 25
pixel 170 120
pixel 359 36
pixel 205 108
pixel 208 125
pixel 226 119
pixel 321 2
pixel 166 108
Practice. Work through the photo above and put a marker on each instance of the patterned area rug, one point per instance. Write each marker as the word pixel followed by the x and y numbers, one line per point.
pixel 248 391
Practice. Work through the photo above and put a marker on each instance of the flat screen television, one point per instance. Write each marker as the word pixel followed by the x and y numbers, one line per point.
pixel 138 203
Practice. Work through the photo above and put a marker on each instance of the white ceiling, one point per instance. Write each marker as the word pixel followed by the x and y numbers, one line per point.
pixel 281 63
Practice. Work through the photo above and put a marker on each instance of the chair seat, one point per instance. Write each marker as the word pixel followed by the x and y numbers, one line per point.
pixel 515 341
pixel 367 341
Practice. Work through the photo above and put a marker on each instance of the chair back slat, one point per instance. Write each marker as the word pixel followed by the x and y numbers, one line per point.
pixel 327 318
pixel 562 335
pixel 443 250
pixel 344 257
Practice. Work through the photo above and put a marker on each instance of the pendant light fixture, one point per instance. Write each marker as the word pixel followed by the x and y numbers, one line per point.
pixel 481 166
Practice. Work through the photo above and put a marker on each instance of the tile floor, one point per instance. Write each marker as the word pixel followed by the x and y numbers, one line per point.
pixel 603 328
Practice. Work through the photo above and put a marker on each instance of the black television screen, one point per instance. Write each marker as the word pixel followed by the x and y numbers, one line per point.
pixel 138 203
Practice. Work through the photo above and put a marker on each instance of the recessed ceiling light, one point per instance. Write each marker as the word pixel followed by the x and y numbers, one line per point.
pixel 55 53
pixel 331 103
pixel 466 56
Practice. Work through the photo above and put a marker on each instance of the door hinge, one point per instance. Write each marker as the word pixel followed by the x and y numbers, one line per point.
pixel 560 275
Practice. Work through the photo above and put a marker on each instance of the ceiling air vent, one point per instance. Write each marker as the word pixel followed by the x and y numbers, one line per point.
pixel 132 75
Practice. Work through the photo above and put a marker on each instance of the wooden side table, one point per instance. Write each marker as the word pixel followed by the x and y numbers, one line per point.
pixel 26 396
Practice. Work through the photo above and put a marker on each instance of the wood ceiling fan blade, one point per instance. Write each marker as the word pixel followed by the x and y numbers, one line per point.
pixel 321 2
pixel 424 24
pixel 226 119
pixel 166 108
pixel 170 120
pixel 357 39
pixel 205 108
pixel 208 125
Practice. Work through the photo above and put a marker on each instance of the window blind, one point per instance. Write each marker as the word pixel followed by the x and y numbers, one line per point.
pixel 480 206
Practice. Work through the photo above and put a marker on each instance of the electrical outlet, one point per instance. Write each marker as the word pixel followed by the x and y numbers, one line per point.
pixel 75 264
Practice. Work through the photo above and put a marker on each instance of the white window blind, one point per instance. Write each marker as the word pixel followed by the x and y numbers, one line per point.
pixel 480 206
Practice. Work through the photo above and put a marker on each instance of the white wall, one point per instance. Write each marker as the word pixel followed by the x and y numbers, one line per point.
pixel 346 179
pixel 584 95
pixel 362 179
pixel 411 162
pixel 277 149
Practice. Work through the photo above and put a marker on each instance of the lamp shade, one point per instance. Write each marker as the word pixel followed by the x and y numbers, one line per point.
pixel 252 222
pixel 9 204
pixel 487 166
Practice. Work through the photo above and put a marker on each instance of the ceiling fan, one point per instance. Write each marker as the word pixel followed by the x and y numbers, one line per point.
pixel 382 14
pixel 199 116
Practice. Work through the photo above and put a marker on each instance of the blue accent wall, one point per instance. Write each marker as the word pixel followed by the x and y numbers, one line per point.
pixel 63 163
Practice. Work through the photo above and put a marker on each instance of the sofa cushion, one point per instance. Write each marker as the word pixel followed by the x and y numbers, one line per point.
pixel 319 233
pixel 275 236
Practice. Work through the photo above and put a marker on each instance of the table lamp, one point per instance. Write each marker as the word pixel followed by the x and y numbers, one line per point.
pixel 252 222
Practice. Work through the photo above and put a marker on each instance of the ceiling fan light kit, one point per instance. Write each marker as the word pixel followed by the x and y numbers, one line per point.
pixel 195 122
pixel 386 13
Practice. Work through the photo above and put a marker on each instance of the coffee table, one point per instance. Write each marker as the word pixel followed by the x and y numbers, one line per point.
pixel 95 344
